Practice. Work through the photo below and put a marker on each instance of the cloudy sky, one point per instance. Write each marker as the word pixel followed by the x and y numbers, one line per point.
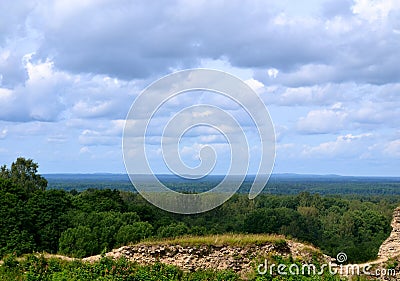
pixel 328 71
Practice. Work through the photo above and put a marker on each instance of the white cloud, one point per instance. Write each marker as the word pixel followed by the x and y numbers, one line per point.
pixel 13 16
pixel 190 154
pixel 327 70
pixel 322 121
pixel 84 149
pixel 338 25
pixel 321 95
pixel 272 72
pixel 307 74
pixel 347 146
pixel 104 133
pixel 211 138
pixel 376 10
pixel 5 95
pixel 49 94
pixel 254 84
pixel 392 149
pixel 3 133
pixel 287 150
pixel 91 108
pixel 38 98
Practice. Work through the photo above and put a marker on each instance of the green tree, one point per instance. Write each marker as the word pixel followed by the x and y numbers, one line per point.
pixel 78 242
pixel 96 200
pixel 24 174
pixel 132 233
pixel 47 213
pixel 173 230
pixel 15 226
pixel 271 220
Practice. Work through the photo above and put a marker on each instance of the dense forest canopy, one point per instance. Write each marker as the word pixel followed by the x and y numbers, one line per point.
pixel 88 222
pixel 277 184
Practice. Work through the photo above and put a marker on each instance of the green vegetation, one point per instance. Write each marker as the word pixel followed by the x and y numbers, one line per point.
pixel 79 224
pixel 38 268
pixel 220 240
pixel 283 184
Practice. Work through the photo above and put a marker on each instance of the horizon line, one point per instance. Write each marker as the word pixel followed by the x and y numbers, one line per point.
pixel 223 175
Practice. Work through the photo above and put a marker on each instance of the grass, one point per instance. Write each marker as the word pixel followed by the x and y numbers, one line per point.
pixel 239 240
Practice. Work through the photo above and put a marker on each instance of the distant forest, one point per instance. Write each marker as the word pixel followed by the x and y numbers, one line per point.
pixel 277 184
pixel 80 217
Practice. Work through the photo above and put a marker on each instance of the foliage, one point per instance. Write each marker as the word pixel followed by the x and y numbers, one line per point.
pixel 88 222
pixel 47 213
pixel 133 233
pixel 285 184
pixel 23 172
pixel 173 230
pixel 222 240
pixel 78 242
pixel 15 235
pixel 34 268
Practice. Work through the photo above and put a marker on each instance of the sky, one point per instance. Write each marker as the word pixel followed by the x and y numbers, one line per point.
pixel 328 72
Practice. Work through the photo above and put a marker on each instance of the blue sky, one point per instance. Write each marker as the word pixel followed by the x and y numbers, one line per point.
pixel 328 71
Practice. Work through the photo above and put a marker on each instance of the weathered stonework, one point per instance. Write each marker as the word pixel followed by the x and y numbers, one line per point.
pixel 391 247
pixel 191 258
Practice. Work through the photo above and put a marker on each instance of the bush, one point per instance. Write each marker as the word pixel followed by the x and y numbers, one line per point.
pixel 133 233
pixel 173 230
pixel 78 242
pixel 10 261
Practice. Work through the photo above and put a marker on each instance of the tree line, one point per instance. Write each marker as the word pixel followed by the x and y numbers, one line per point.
pixel 78 224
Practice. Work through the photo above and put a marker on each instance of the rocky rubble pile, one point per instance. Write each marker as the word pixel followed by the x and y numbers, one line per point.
pixel 190 258
pixel 391 246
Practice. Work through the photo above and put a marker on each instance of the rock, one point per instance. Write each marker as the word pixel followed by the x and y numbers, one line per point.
pixel 391 246
pixel 214 257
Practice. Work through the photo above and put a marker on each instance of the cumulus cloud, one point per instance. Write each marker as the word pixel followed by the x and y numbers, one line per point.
pixel 357 41
pixel 135 44
pixel 392 149
pixel 289 96
pixel 49 95
pixel 69 71
pixel 13 19
pixel 373 11
pixel 322 121
pixel 344 146
pixel 254 84
pixel 38 98
pixel 100 97
pixel 105 133
pixel 337 8
pixel 12 70
pixel 3 133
